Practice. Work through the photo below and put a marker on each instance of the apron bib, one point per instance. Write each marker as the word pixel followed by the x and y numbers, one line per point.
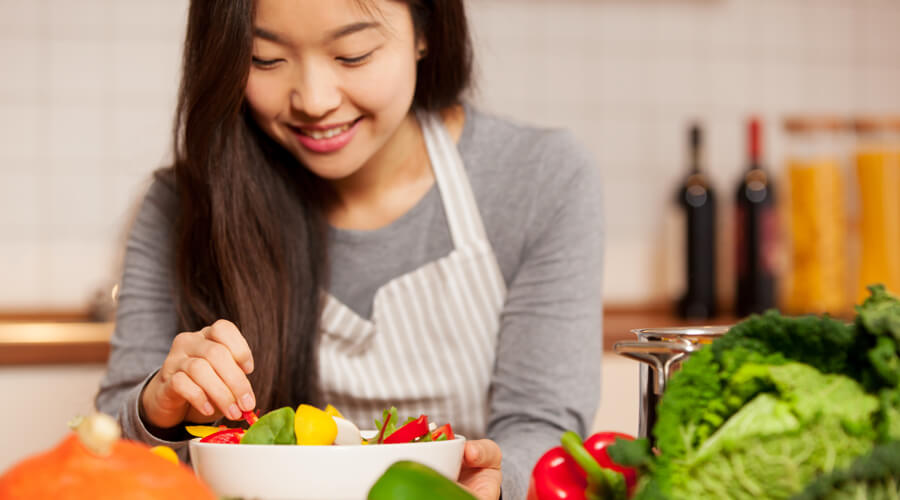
pixel 430 345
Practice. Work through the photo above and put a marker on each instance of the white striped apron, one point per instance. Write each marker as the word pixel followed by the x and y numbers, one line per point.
pixel 430 345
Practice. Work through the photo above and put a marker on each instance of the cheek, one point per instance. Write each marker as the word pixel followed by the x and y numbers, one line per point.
pixel 389 85
pixel 263 96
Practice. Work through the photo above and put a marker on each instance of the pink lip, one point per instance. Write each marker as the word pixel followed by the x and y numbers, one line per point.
pixel 328 145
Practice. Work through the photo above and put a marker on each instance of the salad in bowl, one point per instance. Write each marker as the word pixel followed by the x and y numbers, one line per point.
pixel 311 453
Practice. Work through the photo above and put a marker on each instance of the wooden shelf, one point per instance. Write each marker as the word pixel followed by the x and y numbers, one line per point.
pixel 31 343
pixel 32 339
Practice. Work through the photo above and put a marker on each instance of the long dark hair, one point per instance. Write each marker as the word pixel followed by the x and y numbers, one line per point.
pixel 251 234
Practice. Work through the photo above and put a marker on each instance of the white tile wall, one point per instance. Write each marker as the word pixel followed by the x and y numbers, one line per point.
pixel 88 90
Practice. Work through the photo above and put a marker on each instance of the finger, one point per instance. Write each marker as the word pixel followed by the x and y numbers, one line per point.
pixel 223 363
pixel 483 484
pixel 226 333
pixel 182 385
pixel 482 453
pixel 202 373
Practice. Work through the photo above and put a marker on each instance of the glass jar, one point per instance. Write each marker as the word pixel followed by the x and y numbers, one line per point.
pixel 878 182
pixel 817 271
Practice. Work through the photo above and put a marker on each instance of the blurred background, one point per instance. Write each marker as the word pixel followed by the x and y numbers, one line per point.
pixel 87 99
pixel 88 93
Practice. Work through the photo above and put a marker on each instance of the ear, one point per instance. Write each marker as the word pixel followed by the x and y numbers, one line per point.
pixel 421 48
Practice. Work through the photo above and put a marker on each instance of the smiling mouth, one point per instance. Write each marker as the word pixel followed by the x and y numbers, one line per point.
pixel 327 133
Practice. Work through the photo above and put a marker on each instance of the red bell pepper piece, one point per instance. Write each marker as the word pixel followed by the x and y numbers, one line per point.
pixel 410 431
pixel 571 471
pixel 250 416
pixel 380 437
pixel 225 436
pixel 444 430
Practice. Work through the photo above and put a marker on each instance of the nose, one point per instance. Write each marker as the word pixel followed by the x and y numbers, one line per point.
pixel 315 93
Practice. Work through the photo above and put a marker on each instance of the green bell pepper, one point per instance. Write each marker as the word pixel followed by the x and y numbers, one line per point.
pixel 407 480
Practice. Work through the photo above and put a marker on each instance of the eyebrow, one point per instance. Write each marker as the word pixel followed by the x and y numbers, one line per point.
pixel 334 35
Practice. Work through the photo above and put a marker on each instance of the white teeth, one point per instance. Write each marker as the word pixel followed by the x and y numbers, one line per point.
pixel 327 134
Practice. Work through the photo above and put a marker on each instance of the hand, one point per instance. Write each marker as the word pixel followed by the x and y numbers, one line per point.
pixel 203 377
pixel 480 472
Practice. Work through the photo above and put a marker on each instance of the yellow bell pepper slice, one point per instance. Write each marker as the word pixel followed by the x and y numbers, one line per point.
pixel 165 453
pixel 313 426
pixel 331 410
pixel 201 431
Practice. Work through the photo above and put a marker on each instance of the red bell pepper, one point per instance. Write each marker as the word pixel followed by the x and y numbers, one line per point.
pixel 444 430
pixel 572 471
pixel 225 436
pixel 408 432
pixel 596 446
pixel 250 416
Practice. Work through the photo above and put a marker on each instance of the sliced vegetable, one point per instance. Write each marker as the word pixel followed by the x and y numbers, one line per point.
pixel 250 416
pixel 409 432
pixel 347 433
pixel 202 430
pixel 225 436
pixel 331 410
pixel 275 427
pixel 413 481
pixel 390 423
pixel 314 427
pixel 442 433
pixel 387 421
pixel 165 452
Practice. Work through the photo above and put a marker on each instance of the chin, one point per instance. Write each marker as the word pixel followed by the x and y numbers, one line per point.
pixel 331 171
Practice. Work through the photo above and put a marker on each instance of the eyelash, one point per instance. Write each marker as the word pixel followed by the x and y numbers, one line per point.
pixel 355 61
pixel 265 63
pixel 350 61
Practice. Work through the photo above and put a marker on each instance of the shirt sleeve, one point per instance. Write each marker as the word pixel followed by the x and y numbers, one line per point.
pixel 146 318
pixel 547 375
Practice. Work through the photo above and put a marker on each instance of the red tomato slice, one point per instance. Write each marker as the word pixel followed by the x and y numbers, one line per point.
pixel 227 436
pixel 444 430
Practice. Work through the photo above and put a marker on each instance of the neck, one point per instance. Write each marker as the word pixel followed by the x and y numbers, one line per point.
pixel 400 166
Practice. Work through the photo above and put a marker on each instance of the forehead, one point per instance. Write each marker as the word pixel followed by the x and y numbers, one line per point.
pixel 315 21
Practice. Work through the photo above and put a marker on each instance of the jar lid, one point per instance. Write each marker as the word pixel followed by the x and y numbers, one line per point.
pixel 870 124
pixel 814 123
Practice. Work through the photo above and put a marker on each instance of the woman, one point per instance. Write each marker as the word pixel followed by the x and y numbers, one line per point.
pixel 339 228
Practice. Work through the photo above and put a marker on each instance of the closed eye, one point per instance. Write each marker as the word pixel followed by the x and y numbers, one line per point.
pixel 265 63
pixel 354 61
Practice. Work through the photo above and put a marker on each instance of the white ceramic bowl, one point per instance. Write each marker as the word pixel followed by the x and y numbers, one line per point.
pixel 277 472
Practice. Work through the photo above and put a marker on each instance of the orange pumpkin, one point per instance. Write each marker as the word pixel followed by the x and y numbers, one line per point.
pixel 95 464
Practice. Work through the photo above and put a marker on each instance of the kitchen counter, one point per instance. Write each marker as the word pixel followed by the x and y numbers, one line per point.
pixel 65 339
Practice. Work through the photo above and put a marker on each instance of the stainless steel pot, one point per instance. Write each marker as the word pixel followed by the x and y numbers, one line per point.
pixel 662 350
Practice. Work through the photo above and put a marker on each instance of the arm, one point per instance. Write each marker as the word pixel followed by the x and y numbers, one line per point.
pixel 146 319
pixel 547 375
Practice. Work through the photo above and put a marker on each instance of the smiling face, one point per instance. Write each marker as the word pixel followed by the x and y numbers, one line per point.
pixel 333 82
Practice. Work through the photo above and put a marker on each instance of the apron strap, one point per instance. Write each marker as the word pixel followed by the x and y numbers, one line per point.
pixel 459 202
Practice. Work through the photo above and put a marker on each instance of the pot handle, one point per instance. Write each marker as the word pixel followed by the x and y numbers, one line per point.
pixel 661 356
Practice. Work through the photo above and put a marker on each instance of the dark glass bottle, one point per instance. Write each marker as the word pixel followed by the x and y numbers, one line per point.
pixel 697 199
pixel 756 233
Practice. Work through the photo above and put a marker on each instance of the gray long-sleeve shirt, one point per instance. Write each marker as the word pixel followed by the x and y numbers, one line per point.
pixel 538 192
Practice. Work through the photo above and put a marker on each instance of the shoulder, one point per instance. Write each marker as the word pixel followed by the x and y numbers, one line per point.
pixel 507 148
pixel 527 179
pixel 159 208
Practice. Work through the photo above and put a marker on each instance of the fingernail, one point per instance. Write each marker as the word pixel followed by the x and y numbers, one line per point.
pixel 248 367
pixel 208 409
pixel 234 413
pixel 247 401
